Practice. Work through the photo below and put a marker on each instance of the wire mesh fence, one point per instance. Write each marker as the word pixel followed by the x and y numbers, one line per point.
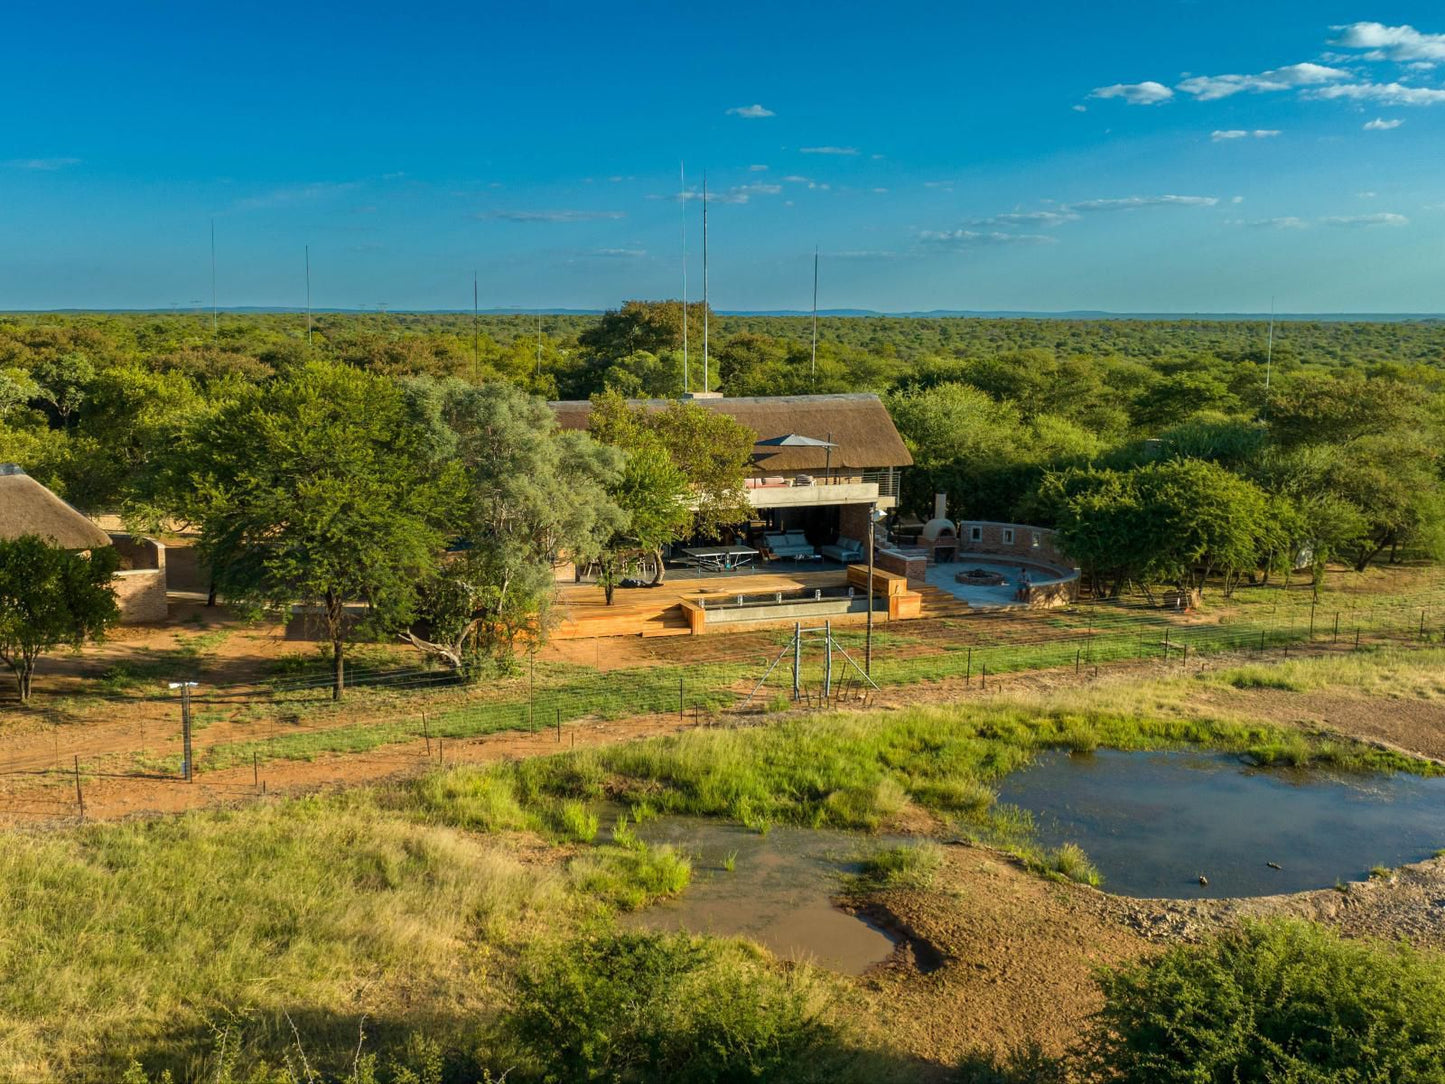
pixel 403 714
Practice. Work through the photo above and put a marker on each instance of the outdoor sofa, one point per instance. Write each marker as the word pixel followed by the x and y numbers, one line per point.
pixel 845 550
pixel 790 545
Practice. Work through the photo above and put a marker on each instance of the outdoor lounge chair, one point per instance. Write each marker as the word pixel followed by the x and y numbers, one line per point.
pixel 790 545
pixel 845 550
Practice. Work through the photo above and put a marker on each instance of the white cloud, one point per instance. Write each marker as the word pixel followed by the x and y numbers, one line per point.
pixel 619 253
pixel 1384 218
pixel 794 178
pixel 1379 124
pixel 1288 222
pixel 757 169
pixel 1236 199
pixel 555 216
pixel 863 254
pixel 751 112
pixel 1384 93
pixel 294 194
pixel 1026 218
pixel 45 165
pixel 979 239
pixel 1080 108
pixel 1130 203
pixel 1146 93
pixel 878 191
pixel 1402 43
pixel 1208 88
pixel 947 186
pixel 829 150
pixel 1366 195
pixel 1241 133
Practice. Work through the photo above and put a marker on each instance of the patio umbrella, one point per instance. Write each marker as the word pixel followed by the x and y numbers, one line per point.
pixel 797 440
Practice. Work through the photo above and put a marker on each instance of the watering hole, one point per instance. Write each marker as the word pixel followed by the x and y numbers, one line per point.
pixel 777 893
pixel 1153 823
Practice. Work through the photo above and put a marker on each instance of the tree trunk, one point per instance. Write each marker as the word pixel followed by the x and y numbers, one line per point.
pixel 23 673
pixel 211 593
pixel 338 669
pixel 335 618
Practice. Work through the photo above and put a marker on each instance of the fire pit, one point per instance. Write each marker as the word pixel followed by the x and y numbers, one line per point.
pixel 980 577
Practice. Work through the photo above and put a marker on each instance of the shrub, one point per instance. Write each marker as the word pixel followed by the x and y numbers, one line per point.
pixel 643 1007
pixel 1283 1001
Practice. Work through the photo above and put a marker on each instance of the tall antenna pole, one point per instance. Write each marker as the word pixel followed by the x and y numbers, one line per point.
pixel 308 295
pixel 476 335
pixel 214 311
pixel 813 370
pixel 682 199
pixel 704 282
pixel 1269 351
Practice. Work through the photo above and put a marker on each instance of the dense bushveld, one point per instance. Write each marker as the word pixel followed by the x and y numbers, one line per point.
pixel 1345 421
pixel 475 907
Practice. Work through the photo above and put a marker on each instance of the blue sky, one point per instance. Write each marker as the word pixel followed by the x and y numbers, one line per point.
pixel 1163 157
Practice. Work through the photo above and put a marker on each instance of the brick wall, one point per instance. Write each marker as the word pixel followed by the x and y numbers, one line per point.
pixel 140 585
pixel 1012 540
pixel 141 595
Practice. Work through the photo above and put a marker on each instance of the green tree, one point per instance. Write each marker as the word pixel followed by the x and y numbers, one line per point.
pixel 534 495
pixel 318 490
pixel 51 597
pixel 652 495
pixel 711 451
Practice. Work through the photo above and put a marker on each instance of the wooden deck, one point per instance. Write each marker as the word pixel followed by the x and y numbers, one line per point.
pixel 657 611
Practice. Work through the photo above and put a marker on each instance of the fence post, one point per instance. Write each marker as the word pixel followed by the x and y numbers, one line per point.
pixel 1186 656
pixel 1166 645
pixel 1422 626
pixel 1312 622
pixel 798 658
pixel 1337 627
pixel 79 797
pixel 1078 654
pixel 559 724
pixel 186 726
pixel 983 678
pixel 679 696
pixel 968 671
pixel 426 733
pixel 255 770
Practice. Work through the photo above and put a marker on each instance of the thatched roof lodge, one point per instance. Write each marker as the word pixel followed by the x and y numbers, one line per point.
pixel 858 425
pixel 29 508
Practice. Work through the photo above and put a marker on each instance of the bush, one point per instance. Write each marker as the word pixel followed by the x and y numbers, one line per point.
pixel 636 1008
pixel 1283 1001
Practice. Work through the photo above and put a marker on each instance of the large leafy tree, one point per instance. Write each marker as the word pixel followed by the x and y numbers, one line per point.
pixel 710 452
pixel 50 597
pixel 1178 522
pixel 534 495
pixel 319 490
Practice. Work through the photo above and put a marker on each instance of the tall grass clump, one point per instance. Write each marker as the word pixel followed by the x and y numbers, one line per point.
pixel 123 937
pixel 907 866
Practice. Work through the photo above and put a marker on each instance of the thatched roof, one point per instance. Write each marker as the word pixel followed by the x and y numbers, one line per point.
pixel 858 425
pixel 27 507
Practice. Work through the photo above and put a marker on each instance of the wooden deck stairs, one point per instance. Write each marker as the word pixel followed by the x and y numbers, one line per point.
pixel 938 602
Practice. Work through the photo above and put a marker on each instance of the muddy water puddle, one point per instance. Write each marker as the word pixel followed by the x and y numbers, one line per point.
pixel 777 892
pixel 1154 823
